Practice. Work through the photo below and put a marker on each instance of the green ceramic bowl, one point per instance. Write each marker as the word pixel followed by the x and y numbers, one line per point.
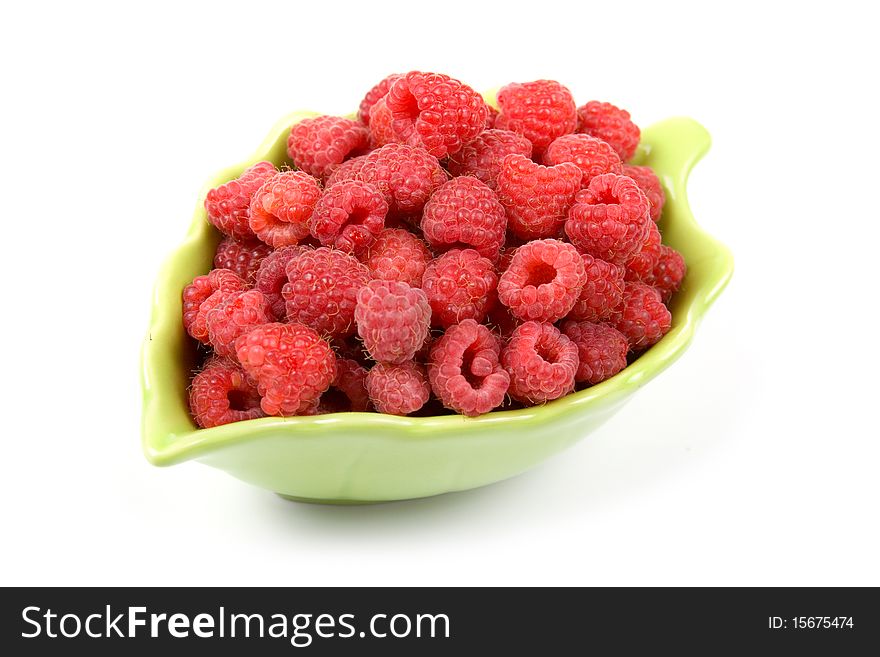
pixel 370 457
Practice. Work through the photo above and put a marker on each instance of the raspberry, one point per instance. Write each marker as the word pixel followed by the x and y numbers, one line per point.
pixel 465 213
pixel 237 314
pixel 601 294
pixel 460 284
pixel 291 364
pixel 641 265
pixel 348 170
pixel 228 205
pixel 321 290
pixel 381 132
pixel 464 369
pixel 398 255
pixel 272 275
pixel 668 272
pixel 398 389
pixel 602 350
pixel 196 294
pixel 393 319
pixel 318 145
pixel 649 183
pixel 542 363
pixel 543 280
pixel 541 111
pixel 610 124
pixel 536 197
pixel 642 317
pixel 281 208
pixel 592 156
pixel 435 112
pixel 482 157
pixel 348 392
pixel 241 256
pixel 373 96
pixel 221 394
pixel 349 216
pixel 609 218
pixel 407 176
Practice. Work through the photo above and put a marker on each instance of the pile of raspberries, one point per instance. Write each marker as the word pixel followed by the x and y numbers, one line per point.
pixel 434 254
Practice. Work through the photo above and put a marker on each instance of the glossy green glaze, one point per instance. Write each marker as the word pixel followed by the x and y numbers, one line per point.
pixel 369 457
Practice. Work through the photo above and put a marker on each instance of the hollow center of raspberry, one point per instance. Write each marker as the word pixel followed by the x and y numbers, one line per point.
pixel 540 273
pixel 476 366
pixel 548 351
pixel 406 111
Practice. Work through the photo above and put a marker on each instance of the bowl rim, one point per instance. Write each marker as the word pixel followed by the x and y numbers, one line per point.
pixel 162 447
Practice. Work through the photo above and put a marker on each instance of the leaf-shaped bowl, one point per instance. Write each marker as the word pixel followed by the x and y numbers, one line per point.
pixel 370 457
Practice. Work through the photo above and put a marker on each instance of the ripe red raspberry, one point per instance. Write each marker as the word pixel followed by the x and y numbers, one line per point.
pixel 272 275
pixel 348 392
pixel 460 285
pixel 642 317
pixel 536 197
pixel 641 265
pixel 407 176
pixel 237 314
pixel 281 208
pixel 241 256
pixel 321 290
pixel 464 369
pixel 601 294
pixel 291 364
pixel 465 213
pixel 668 273
pixel 349 216
pixel 610 124
pixel 398 255
pixel 543 281
pixel 602 350
pixel 609 219
pixel 435 112
pixel 373 96
pixel 348 170
pixel 393 319
pixel 228 205
pixel 398 389
pixel 541 111
pixel 592 156
pixel 482 157
pixel 221 394
pixel 318 145
pixel 649 183
pixel 542 363
pixel 381 132
pixel 199 291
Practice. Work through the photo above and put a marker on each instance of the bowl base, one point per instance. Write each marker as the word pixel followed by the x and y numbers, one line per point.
pixel 315 500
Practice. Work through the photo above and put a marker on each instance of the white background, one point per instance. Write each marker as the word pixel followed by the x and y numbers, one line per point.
pixel 753 460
